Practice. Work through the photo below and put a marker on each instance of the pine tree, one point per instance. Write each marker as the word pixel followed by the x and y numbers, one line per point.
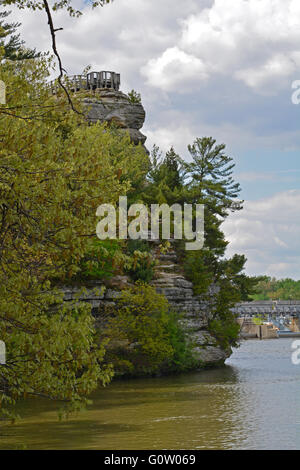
pixel 13 46
pixel 211 176
pixel 165 178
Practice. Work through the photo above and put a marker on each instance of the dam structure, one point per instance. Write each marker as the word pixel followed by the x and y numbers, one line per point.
pixel 269 318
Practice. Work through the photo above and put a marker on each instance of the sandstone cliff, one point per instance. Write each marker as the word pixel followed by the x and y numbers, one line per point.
pixel 114 107
pixel 169 281
pixel 196 312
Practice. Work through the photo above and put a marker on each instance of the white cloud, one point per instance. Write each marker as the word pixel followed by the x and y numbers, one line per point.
pixel 175 70
pixel 254 41
pixel 269 76
pixel 267 231
pixel 252 176
pixel 181 127
pixel 166 137
pixel 121 36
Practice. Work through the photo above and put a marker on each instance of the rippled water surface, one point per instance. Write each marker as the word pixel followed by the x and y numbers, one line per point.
pixel 252 403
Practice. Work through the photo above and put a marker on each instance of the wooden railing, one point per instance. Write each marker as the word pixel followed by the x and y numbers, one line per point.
pixel 90 81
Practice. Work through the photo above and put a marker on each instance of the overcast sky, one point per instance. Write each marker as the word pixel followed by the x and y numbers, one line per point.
pixel 221 68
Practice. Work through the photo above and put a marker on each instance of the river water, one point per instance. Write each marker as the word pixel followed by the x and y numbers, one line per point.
pixel 251 403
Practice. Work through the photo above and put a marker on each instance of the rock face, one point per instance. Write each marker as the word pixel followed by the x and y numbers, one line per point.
pixel 196 312
pixel 179 292
pixel 108 105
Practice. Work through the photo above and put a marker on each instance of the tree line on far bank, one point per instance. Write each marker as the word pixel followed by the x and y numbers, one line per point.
pixel 270 288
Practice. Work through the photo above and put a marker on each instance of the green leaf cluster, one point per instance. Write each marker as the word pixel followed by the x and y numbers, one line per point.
pixel 134 97
pixel 55 170
pixel 277 289
pixel 142 262
pixel 145 336
pixel 13 47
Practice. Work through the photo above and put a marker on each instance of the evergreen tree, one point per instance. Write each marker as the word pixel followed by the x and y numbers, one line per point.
pixel 211 176
pixel 165 179
pixel 14 47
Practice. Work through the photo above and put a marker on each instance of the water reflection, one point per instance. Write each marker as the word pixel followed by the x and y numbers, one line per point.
pixel 253 402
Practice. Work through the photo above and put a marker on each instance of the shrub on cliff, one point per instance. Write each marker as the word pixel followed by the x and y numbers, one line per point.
pixel 145 337
pixel 102 260
pixel 141 266
pixel 134 97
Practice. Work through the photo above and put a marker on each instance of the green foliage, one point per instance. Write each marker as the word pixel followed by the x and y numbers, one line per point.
pixel 105 258
pixel 11 43
pixel 165 178
pixel 211 172
pixel 137 245
pixel 258 320
pixel 208 180
pixel 242 285
pixel 55 170
pixel 183 358
pixel 144 337
pixel 102 260
pixel 226 331
pixel 233 287
pixel 142 263
pixel 134 97
pixel 57 5
pixel 198 269
pixel 277 289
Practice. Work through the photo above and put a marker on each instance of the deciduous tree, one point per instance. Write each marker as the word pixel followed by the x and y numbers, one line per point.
pixel 55 170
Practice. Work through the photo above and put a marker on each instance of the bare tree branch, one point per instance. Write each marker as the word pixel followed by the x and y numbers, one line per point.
pixel 54 48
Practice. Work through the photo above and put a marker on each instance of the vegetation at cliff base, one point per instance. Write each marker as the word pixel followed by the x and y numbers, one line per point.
pixel 145 336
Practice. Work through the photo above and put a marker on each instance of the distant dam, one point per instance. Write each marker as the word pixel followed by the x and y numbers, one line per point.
pixel 267 319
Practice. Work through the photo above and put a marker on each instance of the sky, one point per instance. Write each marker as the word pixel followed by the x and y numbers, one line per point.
pixel 220 68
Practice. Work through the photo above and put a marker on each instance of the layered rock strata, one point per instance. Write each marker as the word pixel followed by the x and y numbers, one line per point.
pixel 195 311
pixel 170 282
pixel 114 107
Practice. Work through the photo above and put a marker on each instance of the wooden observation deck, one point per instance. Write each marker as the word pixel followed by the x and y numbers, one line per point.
pixel 90 81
